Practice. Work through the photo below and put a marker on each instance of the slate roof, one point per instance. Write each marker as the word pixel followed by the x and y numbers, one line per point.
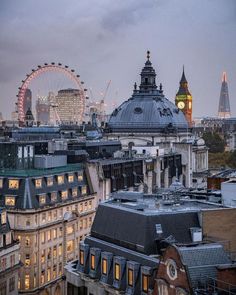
pixel 136 230
pixel 202 260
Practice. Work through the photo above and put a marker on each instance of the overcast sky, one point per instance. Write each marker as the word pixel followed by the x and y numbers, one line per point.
pixel 107 40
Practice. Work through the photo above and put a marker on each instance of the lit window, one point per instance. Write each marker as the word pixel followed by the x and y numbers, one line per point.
pixel 49 216
pixel 49 274
pixel 60 269
pixel 1 182
pixel 81 257
pixel 130 277
pixel 27 282
pixel 42 199
pixel 43 256
pixel 64 195
pixel 49 181
pixel 70 178
pixel 80 177
pixel 38 182
pixel 54 272
pixel 104 266
pixel 117 271
pixel 60 179
pixel 27 241
pixel 90 221
pixel 81 224
pixel 90 205
pixel 85 223
pixel 70 246
pixel 70 229
pixel 84 190
pixel 14 183
pixel 54 233
pixel 74 192
pixel 44 217
pixel 92 262
pixel 145 283
pixel 60 250
pixel 42 277
pixel 4 217
pixel 27 259
pixel 43 237
pixel 81 207
pixel 10 200
pixel 49 235
pixel 53 197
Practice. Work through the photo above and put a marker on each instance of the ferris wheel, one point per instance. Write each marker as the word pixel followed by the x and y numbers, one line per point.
pixel 56 68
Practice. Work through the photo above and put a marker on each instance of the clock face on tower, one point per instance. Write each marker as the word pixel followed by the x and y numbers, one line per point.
pixel 181 105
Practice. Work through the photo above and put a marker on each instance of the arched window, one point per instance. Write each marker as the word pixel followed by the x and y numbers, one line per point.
pixel 162 287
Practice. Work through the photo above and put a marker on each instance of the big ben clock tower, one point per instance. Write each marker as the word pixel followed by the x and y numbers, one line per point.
pixel 183 99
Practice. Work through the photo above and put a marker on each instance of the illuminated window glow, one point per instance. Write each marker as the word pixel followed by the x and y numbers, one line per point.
pixel 4 217
pixel 49 181
pixel 27 282
pixel 70 246
pixel 38 182
pixel 71 178
pixel 60 179
pixel 130 277
pixel 81 257
pixel 80 177
pixel 1 182
pixel 117 271
pixel 42 199
pixel 145 283
pixel 104 266
pixel 92 262
pixel 84 190
pixel 14 183
pixel 64 195
pixel 10 200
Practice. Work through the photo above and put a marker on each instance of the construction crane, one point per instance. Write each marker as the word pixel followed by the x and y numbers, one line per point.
pixel 105 93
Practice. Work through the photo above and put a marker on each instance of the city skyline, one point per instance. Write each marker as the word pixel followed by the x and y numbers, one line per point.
pixel 198 35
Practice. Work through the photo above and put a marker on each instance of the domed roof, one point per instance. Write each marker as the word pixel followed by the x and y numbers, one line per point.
pixel 148 110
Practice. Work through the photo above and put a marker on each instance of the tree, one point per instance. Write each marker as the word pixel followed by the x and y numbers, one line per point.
pixel 214 142
pixel 232 159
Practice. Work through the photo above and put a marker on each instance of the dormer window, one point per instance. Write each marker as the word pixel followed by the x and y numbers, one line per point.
pixel 71 178
pixel 92 262
pixel 130 277
pixel 42 199
pixel 49 181
pixel 1 182
pixel 53 197
pixel 81 257
pixel 64 195
pixel 60 179
pixel 145 283
pixel 10 200
pixel 80 177
pixel 13 184
pixel 104 266
pixel 74 192
pixel 38 182
pixel 117 272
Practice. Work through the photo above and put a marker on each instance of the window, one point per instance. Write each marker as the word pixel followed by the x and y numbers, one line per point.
pixel 49 274
pixel 64 195
pixel 53 197
pixel 60 250
pixel 42 277
pixel 84 190
pixel 130 277
pixel 54 233
pixel 145 283
pixel 90 205
pixel 70 246
pixel 171 269
pixel 3 288
pixel 71 178
pixel 54 271
pixel 38 182
pixel 81 207
pixel 4 217
pixel 70 229
pixel 43 256
pixel 81 257
pixel 49 235
pixel 13 183
pixel 81 224
pixel 85 206
pixel 8 238
pixel 27 260
pixel 12 260
pixel 1 182
pixel 54 251
pixel 80 177
pixel 49 181
pixel 43 237
pixel 60 179
pixel 74 192
pixel 60 269
pixel 49 215
pixel 44 217
pixel 27 282
pixel 12 284
pixel 60 232
pixel 49 253
pixel 42 199
pixel 10 201
pixel 117 271
pixel 85 223
pixel 92 262
pixel 27 241
pixel 90 221
pixel 104 266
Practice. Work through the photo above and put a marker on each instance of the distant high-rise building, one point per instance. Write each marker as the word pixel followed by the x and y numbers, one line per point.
pixel 224 106
pixel 69 103
pixel 27 104
pixel 183 99
pixel 42 109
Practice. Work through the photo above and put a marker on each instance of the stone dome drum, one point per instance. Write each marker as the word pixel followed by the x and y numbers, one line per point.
pixel 148 110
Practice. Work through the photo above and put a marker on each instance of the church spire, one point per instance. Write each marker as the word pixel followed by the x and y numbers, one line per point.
pixel 148 76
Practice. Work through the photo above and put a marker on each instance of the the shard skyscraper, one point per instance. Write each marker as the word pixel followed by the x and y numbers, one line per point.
pixel 224 106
